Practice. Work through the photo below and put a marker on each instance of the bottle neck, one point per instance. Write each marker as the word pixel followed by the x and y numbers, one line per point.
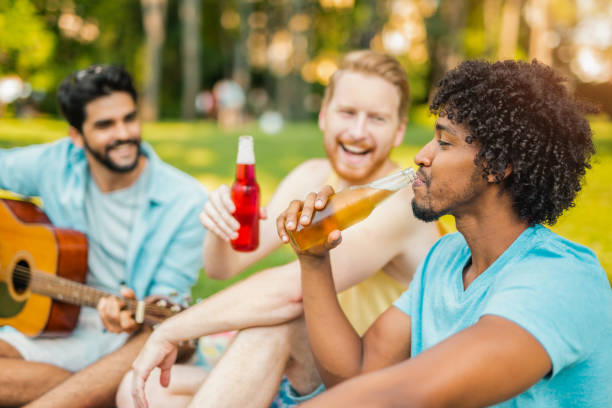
pixel 245 172
pixel 395 181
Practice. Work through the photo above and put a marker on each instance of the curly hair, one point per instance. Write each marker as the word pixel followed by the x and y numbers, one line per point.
pixel 521 115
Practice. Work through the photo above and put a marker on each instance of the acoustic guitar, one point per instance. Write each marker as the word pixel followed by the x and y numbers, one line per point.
pixel 42 270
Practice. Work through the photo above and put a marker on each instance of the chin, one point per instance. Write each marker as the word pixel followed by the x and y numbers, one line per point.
pixel 352 173
pixel 424 213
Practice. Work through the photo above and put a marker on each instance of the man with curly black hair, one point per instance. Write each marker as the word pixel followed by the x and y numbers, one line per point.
pixel 504 311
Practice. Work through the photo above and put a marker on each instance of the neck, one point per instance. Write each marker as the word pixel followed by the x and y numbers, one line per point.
pixel 489 231
pixel 108 180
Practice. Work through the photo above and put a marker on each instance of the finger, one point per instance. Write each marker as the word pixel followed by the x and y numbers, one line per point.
pixel 127 293
pixel 138 385
pixel 323 197
pixel 109 314
pixel 223 208
pixel 128 324
pixel 209 224
pixel 263 213
pixel 164 377
pixel 280 228
pixel 291 214
pixel 308 209
pixel 214 221
pixel 226 198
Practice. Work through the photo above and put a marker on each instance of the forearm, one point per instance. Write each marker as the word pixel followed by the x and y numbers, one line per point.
pixel 95 385
pixel 376 390
pixel 337 348
pixel 267 298
pixel 220 259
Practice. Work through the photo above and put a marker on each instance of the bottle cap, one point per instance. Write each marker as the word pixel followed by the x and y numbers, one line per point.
pixel 246 154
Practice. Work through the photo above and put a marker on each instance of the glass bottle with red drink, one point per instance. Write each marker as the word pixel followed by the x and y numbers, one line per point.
pixel 245 195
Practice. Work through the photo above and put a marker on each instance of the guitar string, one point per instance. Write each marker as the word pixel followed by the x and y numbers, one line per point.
pixel 24 274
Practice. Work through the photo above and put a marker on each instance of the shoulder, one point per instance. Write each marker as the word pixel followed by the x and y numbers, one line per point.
pixel 61 148
pixel 549 256
pixel 307 177
pixel 174 185
pixel 317 169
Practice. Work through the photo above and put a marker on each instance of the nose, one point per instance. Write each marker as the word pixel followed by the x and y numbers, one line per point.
pixel 425 156
pixel 358 127
pixel 122 131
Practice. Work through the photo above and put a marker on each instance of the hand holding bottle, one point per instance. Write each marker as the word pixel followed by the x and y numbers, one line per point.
pixel 337 211
pixel 301 213
pixel 217 214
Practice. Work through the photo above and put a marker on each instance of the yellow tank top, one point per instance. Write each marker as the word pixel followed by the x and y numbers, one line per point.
pixel 364 302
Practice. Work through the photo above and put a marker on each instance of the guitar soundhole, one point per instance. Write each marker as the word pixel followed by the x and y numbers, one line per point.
pixel 21 277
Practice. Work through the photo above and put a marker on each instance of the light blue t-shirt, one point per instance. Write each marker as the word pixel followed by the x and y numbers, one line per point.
pixel 552 287
pixel 110 220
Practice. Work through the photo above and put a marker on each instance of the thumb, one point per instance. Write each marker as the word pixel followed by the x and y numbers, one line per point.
pixel 263 213
pixel 127 293
pixel 333 239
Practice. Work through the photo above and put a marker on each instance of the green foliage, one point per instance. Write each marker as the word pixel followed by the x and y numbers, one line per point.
pixel 26 44
pixel 209 153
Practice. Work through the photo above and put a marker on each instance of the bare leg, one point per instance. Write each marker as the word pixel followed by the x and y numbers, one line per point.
pixel 249 372
pixel 301 369
pixel 184 383
pixel 23 381
pixel 96 384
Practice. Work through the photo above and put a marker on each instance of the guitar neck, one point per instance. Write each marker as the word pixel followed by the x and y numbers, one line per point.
pixel 75 293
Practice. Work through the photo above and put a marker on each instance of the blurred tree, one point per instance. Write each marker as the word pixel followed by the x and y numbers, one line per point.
pixel 153 17
pixel 539 36
pixel 190 16
pixel 509 32
pixel 26 43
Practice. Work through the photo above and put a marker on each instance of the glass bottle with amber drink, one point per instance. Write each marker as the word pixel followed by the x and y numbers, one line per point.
pixel 245 195
pixel 348 207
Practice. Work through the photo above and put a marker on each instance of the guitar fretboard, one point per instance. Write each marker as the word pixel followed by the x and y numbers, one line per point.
pixel 68 291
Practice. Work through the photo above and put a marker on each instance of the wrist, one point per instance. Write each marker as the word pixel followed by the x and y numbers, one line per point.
pixel 163 334
pixel 313 261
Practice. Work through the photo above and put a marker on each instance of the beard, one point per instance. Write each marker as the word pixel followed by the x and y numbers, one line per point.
pixel 106 161
pixel 426 214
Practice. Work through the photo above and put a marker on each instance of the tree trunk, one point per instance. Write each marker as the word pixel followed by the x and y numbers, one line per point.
pixel 154 16
pixel 190 15
pixel 491 15
pixel 508 35
pixel 538 23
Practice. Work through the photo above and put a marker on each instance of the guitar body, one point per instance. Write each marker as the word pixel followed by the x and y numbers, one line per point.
pixel 29 242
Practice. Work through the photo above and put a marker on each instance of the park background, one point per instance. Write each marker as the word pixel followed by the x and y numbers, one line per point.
pixel 209 71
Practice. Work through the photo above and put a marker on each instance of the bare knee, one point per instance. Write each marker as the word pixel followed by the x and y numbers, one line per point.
pixel 124 398
pixel 8 351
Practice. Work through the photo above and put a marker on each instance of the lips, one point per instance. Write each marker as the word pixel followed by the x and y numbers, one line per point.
pixel 353 156
pixel 355 149
pixel 421 180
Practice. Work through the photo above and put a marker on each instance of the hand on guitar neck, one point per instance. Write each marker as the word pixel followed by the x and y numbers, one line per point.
pixel 116 316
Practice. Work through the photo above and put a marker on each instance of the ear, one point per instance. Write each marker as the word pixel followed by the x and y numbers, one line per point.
pixel 400 133
pixel 322 114
pixel 507 172
pixel 76 136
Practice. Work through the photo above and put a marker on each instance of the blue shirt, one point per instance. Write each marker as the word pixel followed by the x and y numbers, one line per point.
pixel 164 254
pixel 552 287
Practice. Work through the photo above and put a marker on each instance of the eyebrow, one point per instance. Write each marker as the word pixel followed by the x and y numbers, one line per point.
pixel 447 129
pixel 103 122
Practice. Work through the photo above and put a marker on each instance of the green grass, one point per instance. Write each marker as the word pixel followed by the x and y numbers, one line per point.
pixel 208 153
